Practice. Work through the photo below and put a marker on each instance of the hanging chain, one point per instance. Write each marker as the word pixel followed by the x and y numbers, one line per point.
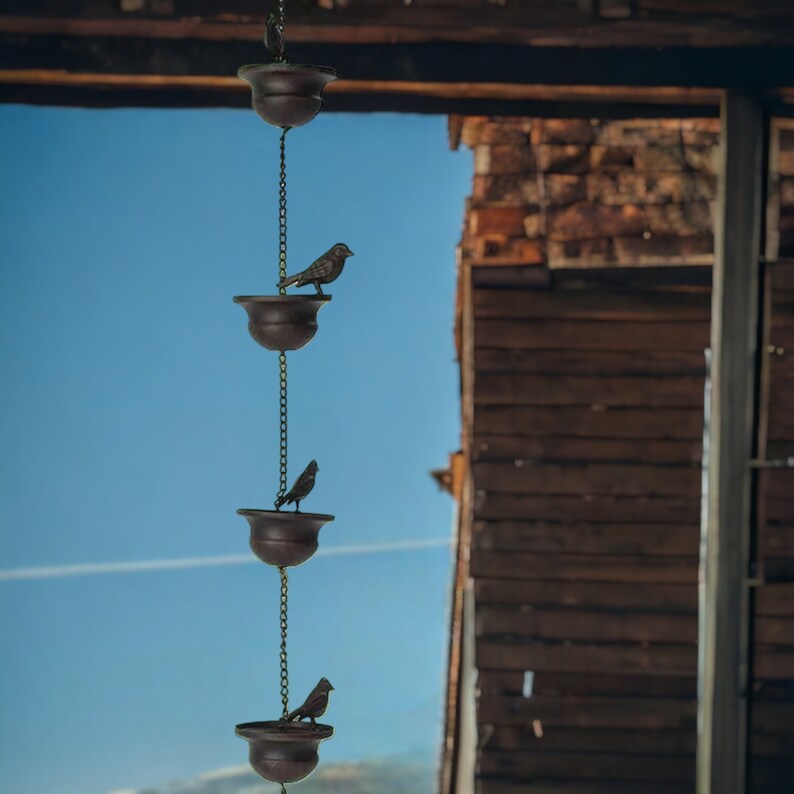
pixel 283 654
pixel 280 13
pixel 282 213
pixel 282 429
pixel 282 358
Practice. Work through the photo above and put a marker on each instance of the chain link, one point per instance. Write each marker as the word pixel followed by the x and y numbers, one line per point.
pixel 282 429
pixel 282 358
pixel 283 654
pixel 283 789
pixel 282 212
pixel 281 13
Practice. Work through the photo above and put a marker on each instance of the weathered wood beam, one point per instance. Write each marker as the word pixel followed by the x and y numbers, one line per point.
pixel 725 612
pixel 539 23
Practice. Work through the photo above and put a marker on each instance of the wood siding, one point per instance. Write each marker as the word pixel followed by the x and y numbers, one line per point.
pixel 584 552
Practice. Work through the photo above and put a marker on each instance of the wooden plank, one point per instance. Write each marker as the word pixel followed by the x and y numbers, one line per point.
pixel 772 717
pixel 579 450
pixel 510 682
pixel 725 624
pixel 585 625
pixel 596 478
pixel 521 389
pixel 581 422
pixel 773 662
pixel 611 596
pixel 575 362
pixel 584 567
pixel 503 786
pixel 779 540
pixel 595 740
pixel 775 631
pixel 605 306
pixel 632 659
pixel 590 712
pixel 525 765
pixel 590 335
pixel 582 538
pixel 592 508
pixel 775 600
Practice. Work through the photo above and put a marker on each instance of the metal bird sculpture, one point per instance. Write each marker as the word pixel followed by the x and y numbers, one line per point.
pixel 274 40
pixel 322 271
pixel 314 705
pixel 301 488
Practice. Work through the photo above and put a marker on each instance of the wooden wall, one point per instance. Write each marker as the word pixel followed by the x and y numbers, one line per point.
pixel 584 313
pixel 771 766
pixel 585 464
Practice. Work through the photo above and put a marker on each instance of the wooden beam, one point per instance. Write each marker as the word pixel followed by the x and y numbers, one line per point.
pixel 725 612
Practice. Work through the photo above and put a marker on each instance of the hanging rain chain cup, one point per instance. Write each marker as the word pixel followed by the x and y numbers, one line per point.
pixel 285 95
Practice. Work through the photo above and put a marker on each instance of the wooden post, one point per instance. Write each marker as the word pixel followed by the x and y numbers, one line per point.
pixel 725 599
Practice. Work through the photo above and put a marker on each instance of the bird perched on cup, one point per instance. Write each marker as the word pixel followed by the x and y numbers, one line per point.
pixel 301 488
pixel 274 39
pixel 315 705
pixel 323 270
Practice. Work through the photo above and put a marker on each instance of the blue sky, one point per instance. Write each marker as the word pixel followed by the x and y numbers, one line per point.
pixel 136 416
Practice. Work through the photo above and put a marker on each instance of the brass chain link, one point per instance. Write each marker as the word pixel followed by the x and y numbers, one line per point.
pixel 283 654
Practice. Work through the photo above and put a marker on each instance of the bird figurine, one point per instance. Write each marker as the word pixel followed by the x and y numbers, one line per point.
pixel 274 40
pixel 315 705
pixel 301 488
pixel 322 271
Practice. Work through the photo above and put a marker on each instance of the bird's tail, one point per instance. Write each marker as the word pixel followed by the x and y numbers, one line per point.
pixel 293 714
pixel 281 500
pixel 286 282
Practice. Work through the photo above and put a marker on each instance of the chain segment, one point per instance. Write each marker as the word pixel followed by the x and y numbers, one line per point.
pixel 282 274
pixel 282 212
pixel 283 654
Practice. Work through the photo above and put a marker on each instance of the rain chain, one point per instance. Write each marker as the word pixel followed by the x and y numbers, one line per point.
pixel 287 95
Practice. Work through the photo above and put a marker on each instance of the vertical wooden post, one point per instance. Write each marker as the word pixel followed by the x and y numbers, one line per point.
pixel 725 614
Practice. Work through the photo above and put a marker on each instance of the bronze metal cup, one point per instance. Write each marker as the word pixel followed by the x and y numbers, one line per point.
pixel 283 752
pixel 284 94
pixel 282 538
pixel 282 322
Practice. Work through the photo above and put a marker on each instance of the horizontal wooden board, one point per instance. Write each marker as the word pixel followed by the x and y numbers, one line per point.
pixel 576 362
pixel 565 657
pixel 773 662
pixel 524 765
pixel 584 567
pixel 774 631
pixel 635 391
pixel 779 483
pixel 607 306
pixel 672 598
pixel 583 625
pixel 492 447
pixel 594 740
pixel 778 569
pixel 778 540
pixel 589 712
pixel 511 682
pixel 780 511
pixel 771 772
pixel 590 335
pixel 582 538
pixel 503 786
pixel 775 600
pixel 772 717
pixel 593 508
pixel 584 422
pixel 595 479
pixel 772 744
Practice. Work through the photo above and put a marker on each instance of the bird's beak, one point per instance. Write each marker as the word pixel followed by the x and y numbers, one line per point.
pixel 350 253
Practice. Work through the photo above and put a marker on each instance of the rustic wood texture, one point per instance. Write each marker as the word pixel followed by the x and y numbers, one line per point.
pixel 163 53
pixel 586 453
